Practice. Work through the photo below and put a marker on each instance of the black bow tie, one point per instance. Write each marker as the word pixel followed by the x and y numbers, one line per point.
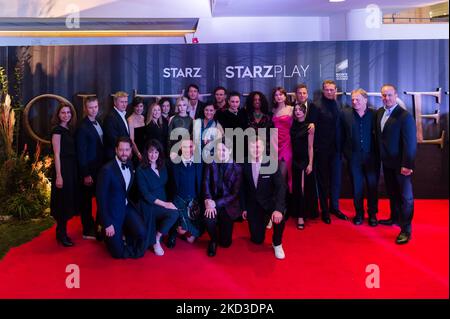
pixel 94 122
pixel 125 166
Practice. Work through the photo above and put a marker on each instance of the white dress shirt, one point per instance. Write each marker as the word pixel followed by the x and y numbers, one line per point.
pixel 386 114
pixel 122 115
pixel 126 173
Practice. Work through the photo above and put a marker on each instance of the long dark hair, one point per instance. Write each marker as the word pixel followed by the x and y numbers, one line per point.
pixel 249 103
pixel 153 143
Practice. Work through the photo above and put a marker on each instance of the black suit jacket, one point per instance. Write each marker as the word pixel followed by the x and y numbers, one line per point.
pixel 231 185
pixel 114 127
pixel 398 142
pixel 199 114
pixel 90 151
pixel 347 132
pixel 269 194
pixel 328 131
pixel 111 194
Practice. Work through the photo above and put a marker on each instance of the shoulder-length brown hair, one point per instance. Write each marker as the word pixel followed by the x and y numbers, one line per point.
pixel 55 118
pixel 155 144
pixel 282 91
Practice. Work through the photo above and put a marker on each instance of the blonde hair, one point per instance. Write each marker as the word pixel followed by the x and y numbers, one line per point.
pixel 150 113
pixel 181 98
pixel 120 94
pixel 362 92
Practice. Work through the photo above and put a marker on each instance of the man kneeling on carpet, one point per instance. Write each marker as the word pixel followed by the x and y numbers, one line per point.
pixel 263 193
pixel 124 228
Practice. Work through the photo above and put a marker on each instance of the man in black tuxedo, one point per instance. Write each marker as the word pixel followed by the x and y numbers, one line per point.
pixel 90 153
pixel 263 197
pixel 115 124
pixel 195 106
pixel 359 148
pixel 397 142
pixel 117 213
pixel 327 152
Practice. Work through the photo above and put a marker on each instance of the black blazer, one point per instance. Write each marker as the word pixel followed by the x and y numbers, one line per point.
pixel 199 114
pixel 270 192
pixel 347 132
pixel 114 127
pixel 111 194
pixel 327 122
pixel 90 150
pixel 398 141
pixel 231 186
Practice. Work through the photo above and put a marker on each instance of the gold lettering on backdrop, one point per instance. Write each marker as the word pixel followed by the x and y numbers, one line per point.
pixel 26 112
pixel 417 102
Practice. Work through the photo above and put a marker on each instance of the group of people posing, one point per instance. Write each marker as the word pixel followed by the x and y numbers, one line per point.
pixel 151 182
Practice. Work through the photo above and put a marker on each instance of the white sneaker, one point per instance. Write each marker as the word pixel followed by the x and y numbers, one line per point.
pixel 269 224
pixel 158 249
pixel 279 252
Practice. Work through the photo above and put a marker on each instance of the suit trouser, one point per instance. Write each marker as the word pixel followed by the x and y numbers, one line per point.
pixel 135 244
pixel 87 221
pixel 328 172
pixel 364 169
pixel 164 218
pixel 401 198
pixel 257 221
pixel 225 225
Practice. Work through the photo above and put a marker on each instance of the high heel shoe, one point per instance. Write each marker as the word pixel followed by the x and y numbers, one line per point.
pixel 65 241
pixel 300 225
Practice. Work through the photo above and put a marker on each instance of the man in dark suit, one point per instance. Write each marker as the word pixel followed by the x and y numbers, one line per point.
pixel 195 106
pixel 397 142
pixel 115 124
pixel 221 187
pixel 117 213
pixel 263 199
pixel 359 148
pixel 327 152
pixel 186 182
pixel 90 153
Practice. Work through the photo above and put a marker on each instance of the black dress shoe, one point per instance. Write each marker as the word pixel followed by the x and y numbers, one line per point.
pixel 339 214
pixel 326 220
pixel 65 241
pixel 358 220
pixel 388 222
pixel 403 238
pixel 89 235
pixel 212 247
pixel 171 241
pixel 373 221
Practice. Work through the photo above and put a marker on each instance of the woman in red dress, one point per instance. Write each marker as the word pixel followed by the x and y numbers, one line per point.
pixel 282 120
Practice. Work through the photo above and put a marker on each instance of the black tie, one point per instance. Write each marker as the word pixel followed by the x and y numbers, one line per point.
pixel 94 122
pixel 124 166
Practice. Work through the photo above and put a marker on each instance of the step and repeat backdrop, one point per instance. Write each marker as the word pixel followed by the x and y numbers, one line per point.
pixel 419 69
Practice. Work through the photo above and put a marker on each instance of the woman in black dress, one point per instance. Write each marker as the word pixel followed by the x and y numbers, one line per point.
pixel 156 126
pixel 64 193
pixel 257 108
pixel 303 185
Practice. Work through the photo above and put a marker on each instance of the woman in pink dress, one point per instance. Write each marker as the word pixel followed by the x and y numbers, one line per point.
pixel 282 120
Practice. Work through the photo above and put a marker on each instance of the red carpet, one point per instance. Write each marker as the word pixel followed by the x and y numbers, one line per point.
pixel 323 261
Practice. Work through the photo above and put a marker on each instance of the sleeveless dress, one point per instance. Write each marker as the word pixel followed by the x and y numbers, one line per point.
pixel 282 143
pixel 64 201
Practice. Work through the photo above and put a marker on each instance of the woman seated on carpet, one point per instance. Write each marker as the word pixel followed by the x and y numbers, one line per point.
pixel 151 177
